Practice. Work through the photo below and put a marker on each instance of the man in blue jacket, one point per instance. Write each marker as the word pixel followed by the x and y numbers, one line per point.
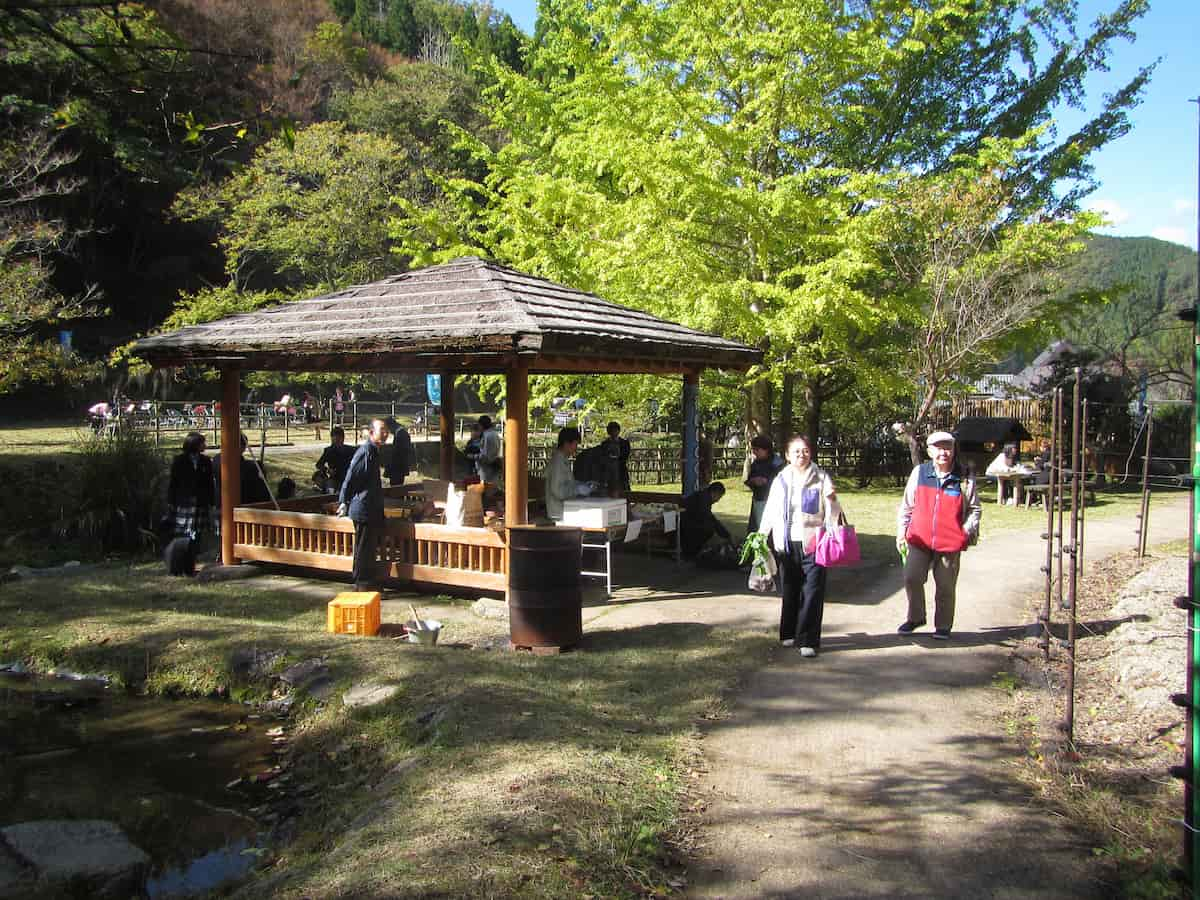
pixel 361 498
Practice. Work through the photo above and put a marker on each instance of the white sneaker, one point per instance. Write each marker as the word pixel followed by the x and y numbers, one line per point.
pixel 808 652
pixel 787 642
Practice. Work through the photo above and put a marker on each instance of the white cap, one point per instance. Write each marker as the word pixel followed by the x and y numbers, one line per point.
pixel 939 437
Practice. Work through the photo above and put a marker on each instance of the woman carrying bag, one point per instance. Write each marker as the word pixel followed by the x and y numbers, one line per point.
pixel 802 502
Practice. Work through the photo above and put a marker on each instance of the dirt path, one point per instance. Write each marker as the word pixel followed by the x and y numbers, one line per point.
pixel 880 769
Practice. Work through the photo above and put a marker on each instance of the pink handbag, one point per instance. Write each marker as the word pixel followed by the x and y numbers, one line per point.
pixel 838 546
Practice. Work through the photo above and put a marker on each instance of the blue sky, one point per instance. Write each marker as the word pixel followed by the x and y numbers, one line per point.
pixel 1147 178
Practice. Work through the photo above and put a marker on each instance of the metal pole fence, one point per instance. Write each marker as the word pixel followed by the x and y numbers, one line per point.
pixel 1072 583
pixel 1144 513
pixel 1059 534
pixel 1051 504
pixel 1082 506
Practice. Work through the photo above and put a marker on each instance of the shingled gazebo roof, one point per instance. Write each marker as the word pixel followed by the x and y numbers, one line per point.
pixel 468 314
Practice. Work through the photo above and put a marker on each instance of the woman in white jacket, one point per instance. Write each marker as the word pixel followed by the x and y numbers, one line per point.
pixel 802 501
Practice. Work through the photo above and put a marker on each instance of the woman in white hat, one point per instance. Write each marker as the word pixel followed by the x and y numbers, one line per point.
pixel 938 518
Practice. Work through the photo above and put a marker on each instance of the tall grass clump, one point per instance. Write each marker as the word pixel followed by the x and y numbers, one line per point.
pixel 118 494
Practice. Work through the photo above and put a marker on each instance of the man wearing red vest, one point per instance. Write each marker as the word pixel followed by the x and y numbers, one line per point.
pixel 938 519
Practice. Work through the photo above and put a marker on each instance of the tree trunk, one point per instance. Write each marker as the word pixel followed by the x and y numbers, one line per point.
pixel 915 440
pixel 758 408
pixel 914 449
pixel 786 409
pixel 812 415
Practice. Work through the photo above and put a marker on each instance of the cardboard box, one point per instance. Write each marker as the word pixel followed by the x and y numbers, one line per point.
pixel 594 512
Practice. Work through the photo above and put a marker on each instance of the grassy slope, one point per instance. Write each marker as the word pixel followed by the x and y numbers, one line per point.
pixel 490 773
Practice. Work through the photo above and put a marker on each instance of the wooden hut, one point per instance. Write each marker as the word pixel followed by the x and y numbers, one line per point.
pixel 467 316
pixel 979 438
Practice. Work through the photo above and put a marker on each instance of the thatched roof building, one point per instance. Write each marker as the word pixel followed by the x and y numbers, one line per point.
pixel 467 315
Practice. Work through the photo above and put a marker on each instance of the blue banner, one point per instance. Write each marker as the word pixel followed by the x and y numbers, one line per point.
pixel 433 387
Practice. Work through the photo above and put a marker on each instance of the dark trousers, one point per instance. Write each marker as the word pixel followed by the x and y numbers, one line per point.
pixel 802 585
pixel 366 546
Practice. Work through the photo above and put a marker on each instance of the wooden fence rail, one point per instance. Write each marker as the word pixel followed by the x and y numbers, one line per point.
pixel 304 533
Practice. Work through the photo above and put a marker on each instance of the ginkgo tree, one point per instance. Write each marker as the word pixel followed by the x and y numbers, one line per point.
pixel 716 162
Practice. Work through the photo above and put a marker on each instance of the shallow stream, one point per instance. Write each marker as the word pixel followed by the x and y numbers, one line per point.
pixel 159 769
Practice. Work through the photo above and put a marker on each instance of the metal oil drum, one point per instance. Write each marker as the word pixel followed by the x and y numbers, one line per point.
pixel 545 599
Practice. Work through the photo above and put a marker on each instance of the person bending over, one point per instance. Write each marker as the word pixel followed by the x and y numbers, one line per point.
pixel 697 523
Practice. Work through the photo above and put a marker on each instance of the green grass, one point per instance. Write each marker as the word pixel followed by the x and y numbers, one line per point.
pixel 489 774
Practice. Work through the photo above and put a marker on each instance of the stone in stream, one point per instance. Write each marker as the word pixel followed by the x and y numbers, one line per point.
pixel 253 663
pixel 89 855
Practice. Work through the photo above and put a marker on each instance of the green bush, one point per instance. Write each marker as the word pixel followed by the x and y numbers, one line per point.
pixel 118 493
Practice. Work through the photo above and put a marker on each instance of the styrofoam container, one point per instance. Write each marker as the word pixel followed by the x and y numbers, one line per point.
pixel 594 512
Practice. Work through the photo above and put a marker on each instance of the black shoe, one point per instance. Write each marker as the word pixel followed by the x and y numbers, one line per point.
pixel 909 627
pixel 941 634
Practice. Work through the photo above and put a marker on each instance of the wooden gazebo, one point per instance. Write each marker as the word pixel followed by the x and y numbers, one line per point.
pixel 467 316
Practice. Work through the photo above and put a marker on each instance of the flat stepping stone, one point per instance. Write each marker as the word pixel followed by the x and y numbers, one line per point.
pixel 86 853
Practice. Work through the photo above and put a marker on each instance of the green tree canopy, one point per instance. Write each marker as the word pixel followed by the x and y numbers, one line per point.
pixel 307 213
pixel 711 162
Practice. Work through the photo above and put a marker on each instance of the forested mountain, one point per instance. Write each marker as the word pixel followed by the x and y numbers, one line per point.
pixel 1134 327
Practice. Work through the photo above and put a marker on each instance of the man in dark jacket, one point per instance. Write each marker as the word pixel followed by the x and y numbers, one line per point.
pixel 361 498
pixel 334 461
pixel 400 462
pixel 764 466
pixel 254 486
pixel 615 451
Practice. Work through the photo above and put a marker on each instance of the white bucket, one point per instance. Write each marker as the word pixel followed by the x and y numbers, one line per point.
pixel 426 633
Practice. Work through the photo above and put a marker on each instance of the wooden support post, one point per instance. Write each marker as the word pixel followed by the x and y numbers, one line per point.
pixel 447 430
pixel 516 445
pixel 231 457
pixel 691 433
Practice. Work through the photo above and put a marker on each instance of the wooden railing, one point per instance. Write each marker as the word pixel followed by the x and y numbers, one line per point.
pixel 303 533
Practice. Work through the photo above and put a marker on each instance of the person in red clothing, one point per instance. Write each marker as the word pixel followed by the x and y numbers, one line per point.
pixel 938 518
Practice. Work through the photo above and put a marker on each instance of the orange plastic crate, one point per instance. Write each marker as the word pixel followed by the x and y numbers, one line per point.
pixel 354 612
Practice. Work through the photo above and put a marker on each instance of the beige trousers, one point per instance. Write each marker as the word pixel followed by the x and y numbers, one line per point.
pixel 945 581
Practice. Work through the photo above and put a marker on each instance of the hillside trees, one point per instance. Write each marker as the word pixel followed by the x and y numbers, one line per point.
pixel 1136 334
pixel 714 162
pixel 306 213
pixel 109 110
pixel 425 30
